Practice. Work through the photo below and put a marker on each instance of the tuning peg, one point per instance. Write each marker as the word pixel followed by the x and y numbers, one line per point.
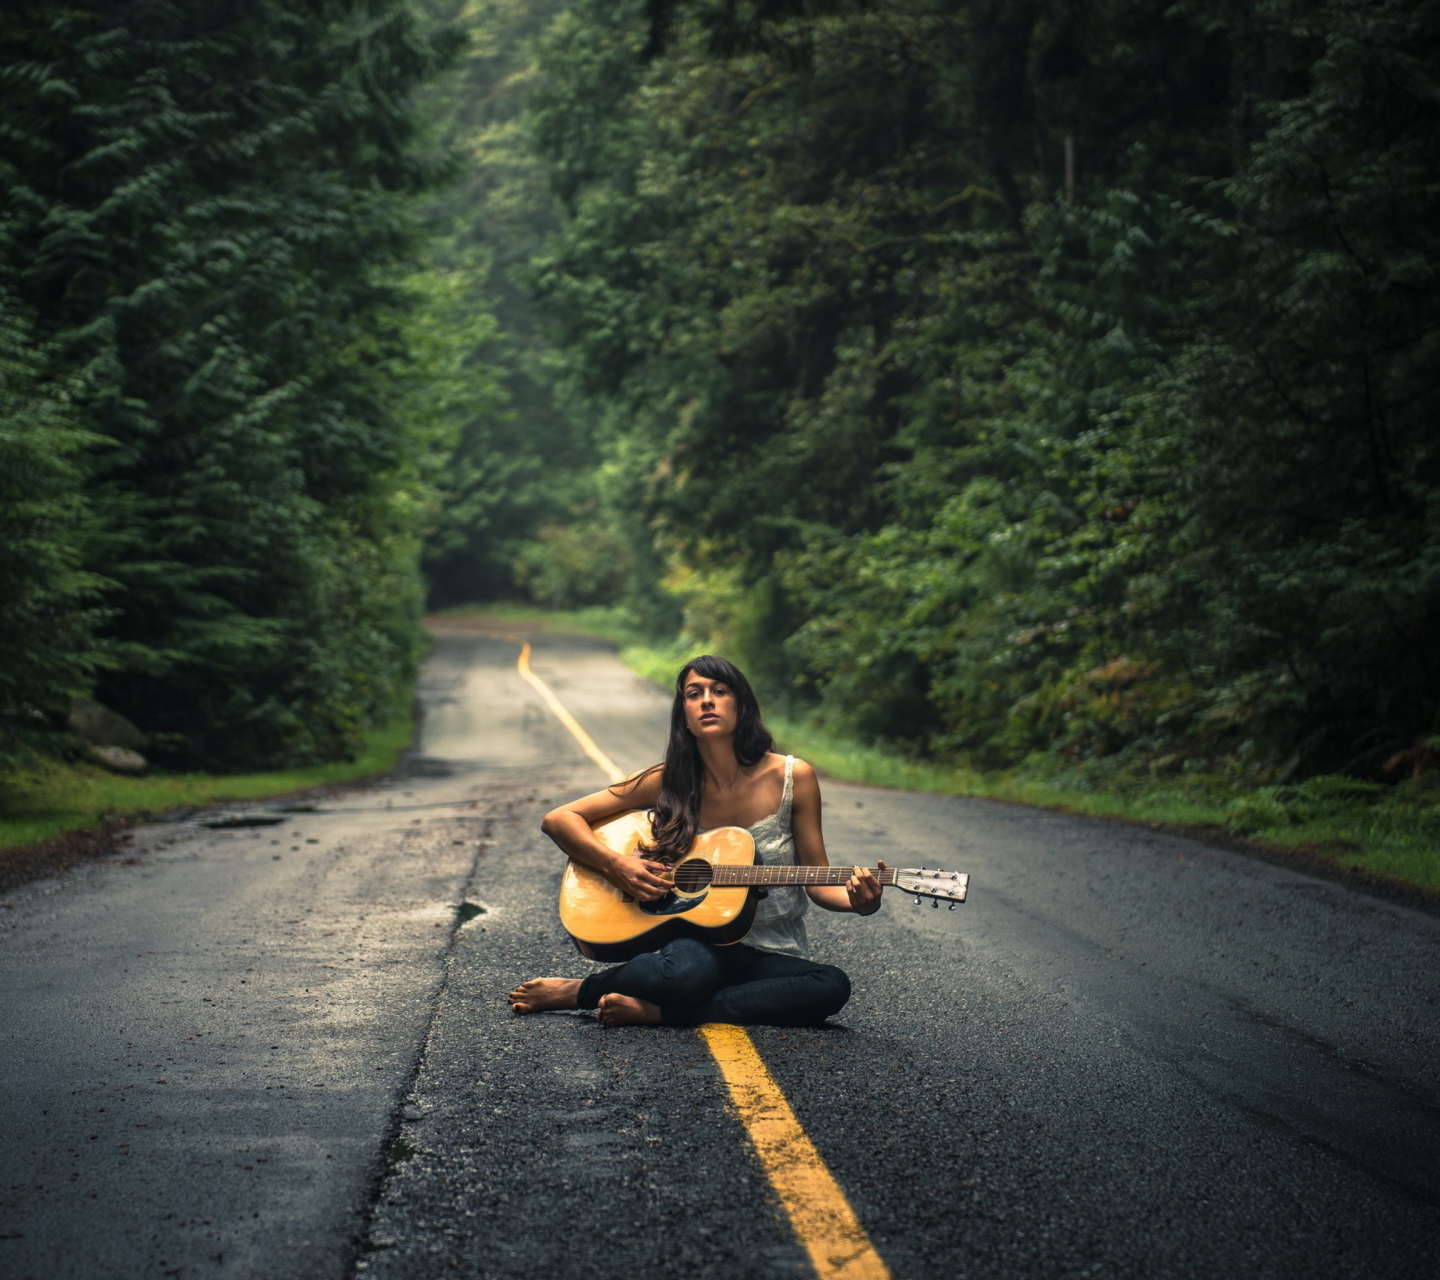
pixel 916 899
pixel 935 902
pixel 953 905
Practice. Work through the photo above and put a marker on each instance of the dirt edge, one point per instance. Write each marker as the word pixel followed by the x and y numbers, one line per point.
pixel 1310 862
pixel 22 864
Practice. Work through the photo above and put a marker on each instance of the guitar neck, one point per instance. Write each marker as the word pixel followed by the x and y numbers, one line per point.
pixel 727 876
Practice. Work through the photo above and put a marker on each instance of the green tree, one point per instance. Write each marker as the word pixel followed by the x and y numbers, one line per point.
pixel 47 618
pixel 1045 376
pixel 522 460
pixel 212 211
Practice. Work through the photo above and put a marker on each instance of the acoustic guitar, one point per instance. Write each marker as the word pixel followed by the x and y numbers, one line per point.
pixel 717 887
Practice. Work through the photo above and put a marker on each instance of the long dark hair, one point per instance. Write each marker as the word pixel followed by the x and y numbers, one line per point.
pixel 677 810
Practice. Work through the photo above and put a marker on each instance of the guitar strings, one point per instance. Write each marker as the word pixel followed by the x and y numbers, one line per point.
pixel 784 876
pixel 844 873
pixel 778 877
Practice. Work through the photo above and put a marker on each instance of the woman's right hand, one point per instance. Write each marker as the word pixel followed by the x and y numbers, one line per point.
pixel 639 879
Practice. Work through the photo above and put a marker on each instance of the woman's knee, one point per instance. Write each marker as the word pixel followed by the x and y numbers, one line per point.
pixel 691 971
pixel 682 972
pixel 833 988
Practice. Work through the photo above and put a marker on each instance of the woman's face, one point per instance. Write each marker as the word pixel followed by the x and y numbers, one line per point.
pixel 710 710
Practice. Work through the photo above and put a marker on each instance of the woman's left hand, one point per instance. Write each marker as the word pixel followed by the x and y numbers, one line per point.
pixel 863 890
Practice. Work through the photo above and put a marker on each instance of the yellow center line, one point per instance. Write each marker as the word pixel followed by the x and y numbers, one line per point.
pixel 587 743
pixel 817 1208
pixel 812 1199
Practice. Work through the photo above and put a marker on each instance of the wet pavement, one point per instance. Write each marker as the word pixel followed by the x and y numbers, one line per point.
pixel 283 1051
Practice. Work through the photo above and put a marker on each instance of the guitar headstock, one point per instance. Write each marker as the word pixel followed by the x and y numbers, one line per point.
pixel 939 886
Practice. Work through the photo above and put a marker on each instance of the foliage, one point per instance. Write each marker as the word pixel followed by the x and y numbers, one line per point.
pixel 521 463
pixel 1054 377
pixel 999 382
pixel 46 652
pixel 210 217
pixel 568 566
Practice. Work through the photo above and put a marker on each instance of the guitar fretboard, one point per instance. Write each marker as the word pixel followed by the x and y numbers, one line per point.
pixel 724 876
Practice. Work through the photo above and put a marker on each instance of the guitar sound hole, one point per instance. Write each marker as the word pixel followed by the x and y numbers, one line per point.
pixel 692 876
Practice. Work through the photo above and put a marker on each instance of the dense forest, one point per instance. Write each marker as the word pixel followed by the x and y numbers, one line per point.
pixel 992 379
pixel 222 390
pixel 1009 378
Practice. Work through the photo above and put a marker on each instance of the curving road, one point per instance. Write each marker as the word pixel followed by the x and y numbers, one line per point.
pixel 281 1051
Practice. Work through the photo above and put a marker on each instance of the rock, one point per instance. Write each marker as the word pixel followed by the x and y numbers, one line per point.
pixel 120 759
pixel 95 723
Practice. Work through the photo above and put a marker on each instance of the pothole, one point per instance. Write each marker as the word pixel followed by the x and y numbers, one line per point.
pixel 245 820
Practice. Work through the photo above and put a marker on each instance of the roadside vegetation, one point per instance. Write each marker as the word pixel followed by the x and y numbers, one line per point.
pixel 992 394
pixel 227 372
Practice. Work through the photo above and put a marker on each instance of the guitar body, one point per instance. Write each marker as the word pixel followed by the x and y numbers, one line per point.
pixel 607 925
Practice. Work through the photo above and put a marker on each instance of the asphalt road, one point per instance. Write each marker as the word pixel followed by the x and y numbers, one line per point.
pixel 283 1052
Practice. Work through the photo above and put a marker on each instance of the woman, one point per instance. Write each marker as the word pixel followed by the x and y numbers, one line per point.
pixel 719 771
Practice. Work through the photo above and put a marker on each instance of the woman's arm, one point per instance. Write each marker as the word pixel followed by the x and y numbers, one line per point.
pixel 569 827
pixel 861 893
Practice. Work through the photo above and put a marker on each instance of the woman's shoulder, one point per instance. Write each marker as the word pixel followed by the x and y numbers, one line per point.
pixel 778 758
pixel 802 772
pixel 642 788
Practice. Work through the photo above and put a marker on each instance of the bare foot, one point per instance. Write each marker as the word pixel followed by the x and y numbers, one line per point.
pixel 627 1011
pixel 540 994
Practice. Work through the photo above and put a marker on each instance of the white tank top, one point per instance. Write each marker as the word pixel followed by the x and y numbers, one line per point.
pixel 780 917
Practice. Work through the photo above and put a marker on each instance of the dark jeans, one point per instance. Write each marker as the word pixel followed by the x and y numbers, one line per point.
pixel 693 982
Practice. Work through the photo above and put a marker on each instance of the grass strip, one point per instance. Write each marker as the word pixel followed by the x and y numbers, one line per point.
pixel 52 799
pixel 1390 833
